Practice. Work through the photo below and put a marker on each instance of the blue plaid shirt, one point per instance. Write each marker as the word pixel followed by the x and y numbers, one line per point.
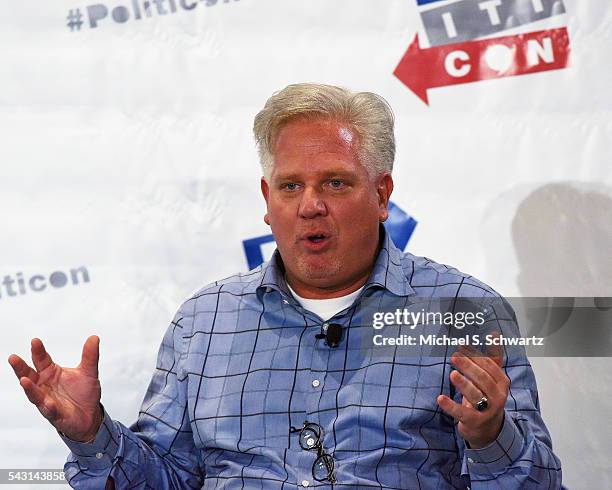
pixel 240 365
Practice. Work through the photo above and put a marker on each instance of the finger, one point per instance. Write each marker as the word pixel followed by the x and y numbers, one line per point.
pixel 34 393
pixel 466 387
pixel 90 356
pixel 496 352
pixel 475 373
pixel 491 367
pixel 45 404
pixel 48 409
pixel 454 409
pixel 21 368
pixel 40 356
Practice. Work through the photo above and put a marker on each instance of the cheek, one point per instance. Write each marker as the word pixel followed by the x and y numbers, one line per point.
pixel 360 213
pixel 282 219
pixel 281 212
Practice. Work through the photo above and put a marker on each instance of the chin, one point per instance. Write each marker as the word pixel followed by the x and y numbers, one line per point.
pixel 320 272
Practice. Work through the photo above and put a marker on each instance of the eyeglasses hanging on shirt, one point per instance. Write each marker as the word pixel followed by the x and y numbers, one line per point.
pixel 311 439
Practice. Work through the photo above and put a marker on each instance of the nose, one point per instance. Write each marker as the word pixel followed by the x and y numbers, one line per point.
pixel 312 204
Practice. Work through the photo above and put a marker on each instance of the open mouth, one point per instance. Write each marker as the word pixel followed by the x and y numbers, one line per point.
pixel 316 238
pixel 316 242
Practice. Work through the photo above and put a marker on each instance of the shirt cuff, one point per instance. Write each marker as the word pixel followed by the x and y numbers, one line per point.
pixel 502 452
pixel 99 453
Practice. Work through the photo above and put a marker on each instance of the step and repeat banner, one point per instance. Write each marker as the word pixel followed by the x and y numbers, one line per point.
pixel 129 175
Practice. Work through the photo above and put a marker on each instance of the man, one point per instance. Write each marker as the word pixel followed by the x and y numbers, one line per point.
pixel 263 380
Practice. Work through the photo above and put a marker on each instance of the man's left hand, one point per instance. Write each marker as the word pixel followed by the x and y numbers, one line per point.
pixel 478 375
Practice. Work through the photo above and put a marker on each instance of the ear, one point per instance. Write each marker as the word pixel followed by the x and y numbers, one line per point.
pixel 265 190
pixel 384 188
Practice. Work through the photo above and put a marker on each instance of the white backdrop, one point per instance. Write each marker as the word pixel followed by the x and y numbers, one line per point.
pixel 126 150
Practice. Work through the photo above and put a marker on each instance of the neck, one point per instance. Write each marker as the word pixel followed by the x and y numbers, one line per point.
pixel 310 291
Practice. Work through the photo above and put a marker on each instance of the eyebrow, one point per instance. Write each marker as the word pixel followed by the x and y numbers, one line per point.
pixel 326 174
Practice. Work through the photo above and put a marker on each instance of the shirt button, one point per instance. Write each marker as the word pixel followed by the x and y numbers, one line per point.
pixel 470 460
pixel 305 483
pixel 316 383
pixel 99 455
pixel 324 326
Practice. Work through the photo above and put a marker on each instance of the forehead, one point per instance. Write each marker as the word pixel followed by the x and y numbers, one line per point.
pixel 307 142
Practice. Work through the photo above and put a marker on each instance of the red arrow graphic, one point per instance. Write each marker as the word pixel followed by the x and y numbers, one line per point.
pixel 473 61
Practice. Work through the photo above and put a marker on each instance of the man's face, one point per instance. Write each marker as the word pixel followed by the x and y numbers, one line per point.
pixel 324 208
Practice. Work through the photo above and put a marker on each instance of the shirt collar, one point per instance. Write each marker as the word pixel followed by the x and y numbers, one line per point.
pixel 387 272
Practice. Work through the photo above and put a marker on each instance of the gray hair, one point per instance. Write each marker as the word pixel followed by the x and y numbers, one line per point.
pixel 366 113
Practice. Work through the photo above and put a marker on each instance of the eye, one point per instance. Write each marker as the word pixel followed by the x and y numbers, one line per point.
pixel 336 184
pixel 289 186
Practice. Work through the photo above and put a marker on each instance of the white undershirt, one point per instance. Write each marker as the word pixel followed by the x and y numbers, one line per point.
pixel 326 308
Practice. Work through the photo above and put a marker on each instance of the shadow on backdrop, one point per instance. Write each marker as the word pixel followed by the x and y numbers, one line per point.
pixel 562 235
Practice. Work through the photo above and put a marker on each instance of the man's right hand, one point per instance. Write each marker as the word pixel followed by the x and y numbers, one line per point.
pixel 69 398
